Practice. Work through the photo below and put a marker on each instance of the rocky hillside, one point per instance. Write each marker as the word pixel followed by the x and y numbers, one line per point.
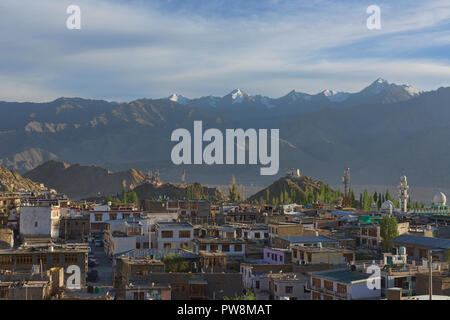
pixel 11 180
pixel 300 190
pixel 78 181
pixel 191 191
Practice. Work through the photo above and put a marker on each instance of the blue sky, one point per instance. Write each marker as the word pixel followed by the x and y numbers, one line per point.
pixel 133 49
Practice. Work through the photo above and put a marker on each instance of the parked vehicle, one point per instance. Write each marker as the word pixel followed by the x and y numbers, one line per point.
pixel 92 276
pixel 92 263
pixel 98 243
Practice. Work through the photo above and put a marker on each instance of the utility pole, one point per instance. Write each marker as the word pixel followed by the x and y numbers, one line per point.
pixel 430 266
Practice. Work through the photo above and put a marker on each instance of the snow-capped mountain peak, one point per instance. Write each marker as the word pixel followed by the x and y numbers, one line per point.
pixel 178 98
pixel 411 90
pixel 335 96
pixel 239 96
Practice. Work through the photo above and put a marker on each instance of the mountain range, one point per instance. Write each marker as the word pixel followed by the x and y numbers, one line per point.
pixel 381 132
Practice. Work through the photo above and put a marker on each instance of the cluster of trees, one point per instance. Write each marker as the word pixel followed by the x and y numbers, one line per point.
pixel 366 200
pixel 127 197
pixel 175 263
pixel 309 195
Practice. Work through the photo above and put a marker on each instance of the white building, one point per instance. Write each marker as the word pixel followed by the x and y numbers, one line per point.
pixel 173 235
pixel 39 221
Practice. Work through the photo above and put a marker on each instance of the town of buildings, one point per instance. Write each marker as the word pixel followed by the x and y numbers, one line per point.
pixel 55 248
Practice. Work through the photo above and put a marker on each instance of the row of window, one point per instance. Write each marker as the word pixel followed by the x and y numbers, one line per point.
pixel 224 247
pixel 181 234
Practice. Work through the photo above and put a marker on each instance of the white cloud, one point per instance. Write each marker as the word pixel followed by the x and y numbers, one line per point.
pixel 135 50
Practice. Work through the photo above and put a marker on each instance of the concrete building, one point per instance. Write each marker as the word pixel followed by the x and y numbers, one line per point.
pixel 343 285
pixel 306 241
pixel 39 221
pixel 99 215
pixel 302 255
pixel 234 249
pixel 174 235
pixel 40 258
pixel 276 255
pixel 289 286
pixel 417 247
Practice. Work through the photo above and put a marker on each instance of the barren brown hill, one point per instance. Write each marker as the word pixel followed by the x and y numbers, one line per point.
pixel 11 180
pixel 195 190
pixel 288 189
pixel 78 181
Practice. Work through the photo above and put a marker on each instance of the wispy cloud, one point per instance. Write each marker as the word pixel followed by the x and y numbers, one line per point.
pixel 133 49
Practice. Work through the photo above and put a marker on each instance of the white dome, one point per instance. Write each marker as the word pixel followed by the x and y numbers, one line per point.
pixel 387 205
pixel 440 199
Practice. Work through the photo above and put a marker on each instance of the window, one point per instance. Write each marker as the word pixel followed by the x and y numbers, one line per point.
pixel 24 260
pixel 281 258
pixel 257 284
pixel 268 254
pixel 139 296
pixel 98 217
pixel 225 247
pixel 126 215
pixel 6 261
pixel 113 216
pixel 36 224
pixel 288 289
pixel 184 245
pixel 213 247
pixel 167 245
pixel 257 235
pixel 138 245
pixel 166 234
pixel 70 258
pixel 202 247
pixel 184 234
pixel 238 247
pixel 266 235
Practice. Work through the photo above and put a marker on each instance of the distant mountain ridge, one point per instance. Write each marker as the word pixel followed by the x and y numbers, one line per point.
pixel 380 132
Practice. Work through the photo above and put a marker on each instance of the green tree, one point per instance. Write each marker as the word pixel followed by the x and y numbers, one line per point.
pixel 233 191
pixel 132 198
pixel 388 230
pixel 175 263
pixel 249 295
pixel 124 195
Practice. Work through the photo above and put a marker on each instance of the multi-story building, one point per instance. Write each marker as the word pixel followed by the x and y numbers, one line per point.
pixel 284 229
pixel 418 247
pixel 99 215
pixel 343 285
pixel 9 208
pixel 234 249
pixel 302 255
pixel 276 255
pixel 39 221
pixel 173 235
pixel 40 258
pixel 288 286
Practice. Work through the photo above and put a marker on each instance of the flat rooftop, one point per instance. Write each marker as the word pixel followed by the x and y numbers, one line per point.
pixel 343 276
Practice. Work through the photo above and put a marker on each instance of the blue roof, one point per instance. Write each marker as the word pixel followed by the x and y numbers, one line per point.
pixel 423 241
pixel 309 239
